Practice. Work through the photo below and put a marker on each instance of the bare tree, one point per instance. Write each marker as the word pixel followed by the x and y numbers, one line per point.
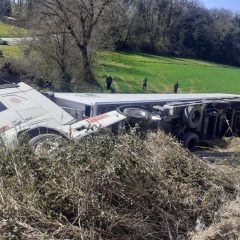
pixel 54 44
pixel 83 20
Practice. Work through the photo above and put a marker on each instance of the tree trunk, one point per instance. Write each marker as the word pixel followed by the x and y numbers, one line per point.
pixel 65 80
pixel 88 74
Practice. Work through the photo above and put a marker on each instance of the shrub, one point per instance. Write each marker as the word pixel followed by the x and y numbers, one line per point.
pixel 107 187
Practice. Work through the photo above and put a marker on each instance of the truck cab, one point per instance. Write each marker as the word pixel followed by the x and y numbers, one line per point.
pixel 24 110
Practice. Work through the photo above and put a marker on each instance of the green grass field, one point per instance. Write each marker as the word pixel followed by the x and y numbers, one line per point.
pixel 9 31
pixel 128 71
pixel 14 51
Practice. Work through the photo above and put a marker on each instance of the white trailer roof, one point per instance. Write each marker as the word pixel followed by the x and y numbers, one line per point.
pixel 100 99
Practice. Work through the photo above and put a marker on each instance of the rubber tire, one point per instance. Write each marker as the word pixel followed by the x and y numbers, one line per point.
pixel 190 140
pixel 188 116
pixel 137 116
pixel 40 138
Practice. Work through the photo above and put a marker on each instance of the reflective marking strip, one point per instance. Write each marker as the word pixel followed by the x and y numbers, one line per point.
pixel 97 118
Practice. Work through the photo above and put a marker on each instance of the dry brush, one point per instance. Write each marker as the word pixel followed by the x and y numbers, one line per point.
pixel 108 187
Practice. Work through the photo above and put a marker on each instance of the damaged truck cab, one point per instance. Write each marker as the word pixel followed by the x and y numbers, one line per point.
pixel 26 113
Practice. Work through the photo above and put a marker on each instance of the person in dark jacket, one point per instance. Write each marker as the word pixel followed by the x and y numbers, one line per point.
pixel 145 84
pixel 109 81
pixel 176 87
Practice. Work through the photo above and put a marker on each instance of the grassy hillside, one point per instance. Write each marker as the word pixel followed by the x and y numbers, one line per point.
pixel 12 51
pixel 128 71
pixel 8 31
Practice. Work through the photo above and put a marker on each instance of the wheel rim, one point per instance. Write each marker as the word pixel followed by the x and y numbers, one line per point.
pixel 47 146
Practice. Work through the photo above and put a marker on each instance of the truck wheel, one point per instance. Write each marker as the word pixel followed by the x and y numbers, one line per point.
pixel 46 144
pixel 137 116
pixel 190 140
pixel 193 116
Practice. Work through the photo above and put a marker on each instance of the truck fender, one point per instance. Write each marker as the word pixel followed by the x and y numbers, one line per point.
pixel 29 134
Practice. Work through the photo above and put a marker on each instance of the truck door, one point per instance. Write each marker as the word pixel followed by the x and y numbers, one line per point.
pixel 8 118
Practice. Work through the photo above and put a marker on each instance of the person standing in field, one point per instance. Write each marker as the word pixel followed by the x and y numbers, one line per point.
pixel 176 87
pixel 109 81
pixel 145 81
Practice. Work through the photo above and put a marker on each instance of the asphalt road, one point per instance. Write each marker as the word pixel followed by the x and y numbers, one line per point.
pixel 14 41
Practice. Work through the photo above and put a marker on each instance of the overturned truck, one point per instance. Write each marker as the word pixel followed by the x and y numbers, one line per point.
pixel 192 118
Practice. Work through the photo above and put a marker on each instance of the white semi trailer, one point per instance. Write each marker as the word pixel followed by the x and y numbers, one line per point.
pixel 193 118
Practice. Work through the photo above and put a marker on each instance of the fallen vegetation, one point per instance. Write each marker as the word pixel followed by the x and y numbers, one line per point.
pixel 227 225
pixel 107 187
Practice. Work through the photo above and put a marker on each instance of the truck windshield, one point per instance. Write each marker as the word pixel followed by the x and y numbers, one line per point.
pixel 2 107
